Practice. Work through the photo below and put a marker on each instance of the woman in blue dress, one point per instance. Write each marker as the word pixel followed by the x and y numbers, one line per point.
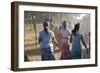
pixel 76 39
pixel 45 39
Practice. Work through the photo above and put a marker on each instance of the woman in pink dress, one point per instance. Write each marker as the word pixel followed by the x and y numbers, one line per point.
pixel 64 42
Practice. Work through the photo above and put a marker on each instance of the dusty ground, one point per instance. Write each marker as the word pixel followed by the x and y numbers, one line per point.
pixel 34 54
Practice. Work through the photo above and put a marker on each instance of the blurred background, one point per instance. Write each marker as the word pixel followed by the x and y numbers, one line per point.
pixel 33 24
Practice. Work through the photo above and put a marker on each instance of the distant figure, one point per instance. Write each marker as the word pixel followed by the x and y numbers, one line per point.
pixel 45 39
pixel 76 39
pixel 64 42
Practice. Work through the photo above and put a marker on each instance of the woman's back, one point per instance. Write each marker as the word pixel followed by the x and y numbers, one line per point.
pixel 76 46
pixel 76 40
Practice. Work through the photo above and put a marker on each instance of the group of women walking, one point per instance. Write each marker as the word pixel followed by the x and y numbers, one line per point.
pixel 68 42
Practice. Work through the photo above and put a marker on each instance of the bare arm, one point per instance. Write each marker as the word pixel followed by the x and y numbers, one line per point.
pixel 82 39
pixel 55 40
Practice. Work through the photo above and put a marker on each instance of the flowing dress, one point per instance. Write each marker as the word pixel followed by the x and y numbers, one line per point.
pixel 76 46
pixel 63 44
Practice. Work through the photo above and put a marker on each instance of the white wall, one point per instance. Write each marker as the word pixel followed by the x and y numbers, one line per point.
pixel 5 38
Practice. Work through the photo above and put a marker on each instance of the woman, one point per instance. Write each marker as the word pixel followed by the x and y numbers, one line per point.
pixel 76 39
pixel 45 39
pixel 64 42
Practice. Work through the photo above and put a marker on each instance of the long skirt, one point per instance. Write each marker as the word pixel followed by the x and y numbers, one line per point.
pixel 64 47
pixel 48 54
pixel 76 53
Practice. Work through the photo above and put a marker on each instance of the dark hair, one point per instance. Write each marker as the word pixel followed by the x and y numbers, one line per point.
pixel 76 28
pixel 45 24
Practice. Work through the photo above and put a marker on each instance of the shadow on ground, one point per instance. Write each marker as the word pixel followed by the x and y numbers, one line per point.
pixel 35 54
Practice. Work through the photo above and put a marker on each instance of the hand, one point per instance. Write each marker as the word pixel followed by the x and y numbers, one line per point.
pixel 56 44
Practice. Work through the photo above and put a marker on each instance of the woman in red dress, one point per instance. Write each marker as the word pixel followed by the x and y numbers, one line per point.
pixel 64 41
